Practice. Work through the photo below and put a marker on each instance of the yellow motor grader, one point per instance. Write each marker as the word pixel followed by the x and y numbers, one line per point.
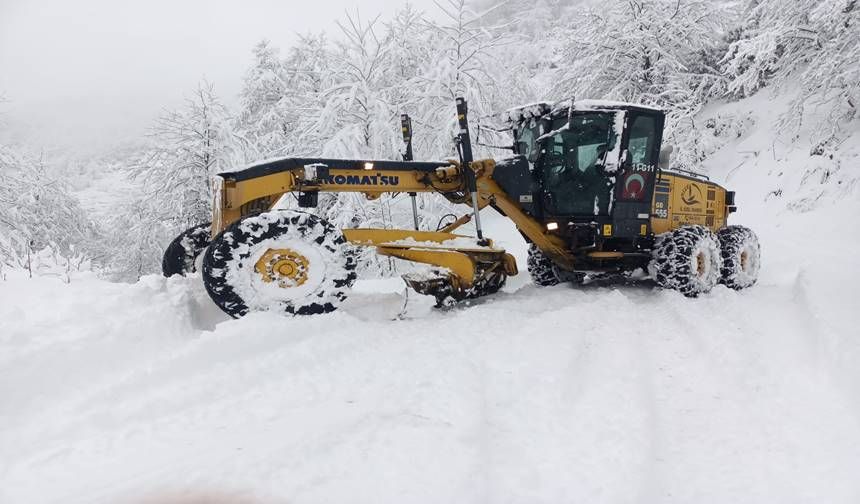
pixel 587 187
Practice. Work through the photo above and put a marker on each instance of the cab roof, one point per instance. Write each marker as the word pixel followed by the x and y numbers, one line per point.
pixel 541 109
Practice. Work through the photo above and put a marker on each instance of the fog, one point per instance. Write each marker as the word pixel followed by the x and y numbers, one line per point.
pixel 92 73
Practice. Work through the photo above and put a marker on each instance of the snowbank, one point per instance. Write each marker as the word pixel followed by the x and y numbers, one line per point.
pixel 118 393
pixel 114 393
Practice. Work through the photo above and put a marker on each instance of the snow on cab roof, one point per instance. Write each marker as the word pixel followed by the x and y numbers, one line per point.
pixel 538 109
pixel 605 104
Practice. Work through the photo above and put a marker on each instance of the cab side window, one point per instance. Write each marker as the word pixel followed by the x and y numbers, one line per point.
pixel 526 142
pixel 643 134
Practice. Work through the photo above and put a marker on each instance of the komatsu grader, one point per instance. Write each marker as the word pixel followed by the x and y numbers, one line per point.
pixel 588 187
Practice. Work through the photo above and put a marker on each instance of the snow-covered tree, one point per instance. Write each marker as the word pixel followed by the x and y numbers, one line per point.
pixel 38 212
pixel 263 120
pixel 281 97
pixel 774 38
pixel 657 52
pixel 310 70
pixel 136 241
pixel 652 51
pixel 406 36
pixel 358 119
pixel 341 95
pixel 832 77
pixel 189 146
pixel 813 43
pixel 408 39
pixel 464 65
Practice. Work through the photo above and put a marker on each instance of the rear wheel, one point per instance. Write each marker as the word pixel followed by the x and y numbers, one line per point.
pixel 741 254
pixel 686 259
pixel 541 268
pixel 180 257
pixel 287 261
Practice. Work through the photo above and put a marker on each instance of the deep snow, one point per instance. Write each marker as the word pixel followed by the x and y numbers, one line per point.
pixel 146 392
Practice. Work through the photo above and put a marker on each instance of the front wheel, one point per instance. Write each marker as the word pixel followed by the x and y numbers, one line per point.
pixel 180 257
pixel 541 268
pixel 686 259
pixel 285 260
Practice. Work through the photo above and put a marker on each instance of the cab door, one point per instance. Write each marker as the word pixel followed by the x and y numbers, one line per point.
pixel 572 166
pixel 635 183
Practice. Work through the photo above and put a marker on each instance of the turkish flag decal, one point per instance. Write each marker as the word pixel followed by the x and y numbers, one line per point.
pixel 634 185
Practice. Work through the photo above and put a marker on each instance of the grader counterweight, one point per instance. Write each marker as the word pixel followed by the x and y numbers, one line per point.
pixel 585 189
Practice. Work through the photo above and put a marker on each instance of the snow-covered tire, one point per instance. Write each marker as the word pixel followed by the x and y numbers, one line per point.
pixel 284 260
pixel 541 269
pixel 180 257
pixel 686 259
pixel 741 254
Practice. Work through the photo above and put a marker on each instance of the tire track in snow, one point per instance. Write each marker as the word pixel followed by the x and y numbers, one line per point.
pixel 544 411
pixel 534 396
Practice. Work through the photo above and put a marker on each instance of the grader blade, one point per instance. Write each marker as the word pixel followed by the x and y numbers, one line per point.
pixel 440 284
pixel 448 288
pixel 462 266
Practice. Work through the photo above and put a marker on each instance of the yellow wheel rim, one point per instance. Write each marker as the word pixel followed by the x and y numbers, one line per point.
pixel 285 266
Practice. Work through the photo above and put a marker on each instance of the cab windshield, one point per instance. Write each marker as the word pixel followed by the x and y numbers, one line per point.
pixel 571 164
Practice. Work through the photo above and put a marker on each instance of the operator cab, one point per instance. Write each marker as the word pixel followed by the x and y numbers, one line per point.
pixel 593 167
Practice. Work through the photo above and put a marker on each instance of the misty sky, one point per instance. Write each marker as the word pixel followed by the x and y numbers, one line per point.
pixel 93 72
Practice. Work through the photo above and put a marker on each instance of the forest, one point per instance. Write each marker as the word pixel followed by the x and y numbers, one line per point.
pixel 341 94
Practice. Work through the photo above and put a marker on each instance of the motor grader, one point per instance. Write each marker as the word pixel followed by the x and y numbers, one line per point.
pixel 588 187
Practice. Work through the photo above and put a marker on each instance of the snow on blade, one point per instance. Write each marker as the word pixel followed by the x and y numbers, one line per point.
pixel 460 242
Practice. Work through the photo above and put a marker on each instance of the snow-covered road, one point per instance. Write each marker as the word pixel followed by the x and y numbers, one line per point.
pixel 146 393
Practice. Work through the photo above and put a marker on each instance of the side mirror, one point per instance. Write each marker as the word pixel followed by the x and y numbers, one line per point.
pixel 665 157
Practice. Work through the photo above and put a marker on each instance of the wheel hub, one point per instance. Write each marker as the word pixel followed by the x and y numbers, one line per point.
pixel 700 263
pixel 745 260
pixel 285 266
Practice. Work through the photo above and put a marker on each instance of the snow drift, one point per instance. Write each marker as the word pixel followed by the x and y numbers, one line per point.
pixel 147 393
